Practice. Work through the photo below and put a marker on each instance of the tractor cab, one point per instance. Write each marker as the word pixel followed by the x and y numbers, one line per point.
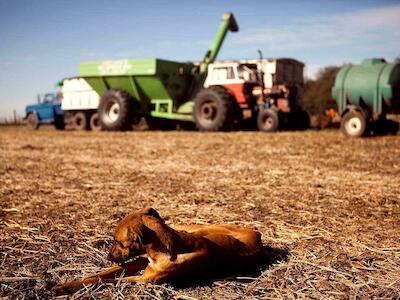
pixel 238 78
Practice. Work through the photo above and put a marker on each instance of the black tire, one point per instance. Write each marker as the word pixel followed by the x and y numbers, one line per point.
pixel 353 124
pixel 116 110
pixel 32 121
pixel 268 120
pixel 304 121
pixel 394 127
pixel 95 122
pixel 80 121
pixel 384 127
pixel 59 123
pixel 213 109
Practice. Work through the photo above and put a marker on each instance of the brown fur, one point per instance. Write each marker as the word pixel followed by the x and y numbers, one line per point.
pixel 166 253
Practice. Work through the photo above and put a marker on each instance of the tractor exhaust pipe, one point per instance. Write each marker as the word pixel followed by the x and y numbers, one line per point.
pixel 261 75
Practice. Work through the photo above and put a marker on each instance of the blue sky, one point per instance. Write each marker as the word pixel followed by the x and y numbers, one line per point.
pixel 43 41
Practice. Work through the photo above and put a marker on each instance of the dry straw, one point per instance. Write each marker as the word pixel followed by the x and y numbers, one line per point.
pixel 331 203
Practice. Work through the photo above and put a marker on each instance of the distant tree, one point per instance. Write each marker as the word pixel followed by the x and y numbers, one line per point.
pixel 317 92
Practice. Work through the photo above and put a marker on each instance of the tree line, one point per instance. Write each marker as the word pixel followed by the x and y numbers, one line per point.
pixel 318 91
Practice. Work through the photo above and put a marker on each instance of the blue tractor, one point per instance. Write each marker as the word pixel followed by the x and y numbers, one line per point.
pixel 46 111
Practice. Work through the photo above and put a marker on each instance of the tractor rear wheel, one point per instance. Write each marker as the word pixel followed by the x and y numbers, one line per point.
pixel 116 110
pixel 213 109
pixel 268 120
pixel 80 121
pixel 94 122
pixel 32 121
pixel 353 124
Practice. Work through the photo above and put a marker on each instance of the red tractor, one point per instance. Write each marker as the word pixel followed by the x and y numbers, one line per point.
pixel 266 92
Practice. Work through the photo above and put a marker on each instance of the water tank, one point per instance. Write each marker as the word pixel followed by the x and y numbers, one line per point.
pixel 374 85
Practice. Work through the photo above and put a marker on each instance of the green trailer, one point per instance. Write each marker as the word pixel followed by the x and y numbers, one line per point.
pixel 153 88
pixel 365 94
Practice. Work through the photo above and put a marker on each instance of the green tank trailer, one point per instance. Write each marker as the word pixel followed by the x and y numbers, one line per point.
pixel 365 94
pixel 150 88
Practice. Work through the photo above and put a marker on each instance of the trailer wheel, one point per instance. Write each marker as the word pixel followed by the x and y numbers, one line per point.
pixel 95 122
pixel 32 121
pixel 353 124
pixel 59 123
pixel 116 110
pixel 268 120
pixel 213 109
pixel 80 121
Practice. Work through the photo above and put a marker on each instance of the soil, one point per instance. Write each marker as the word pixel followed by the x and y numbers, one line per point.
pixel 328 208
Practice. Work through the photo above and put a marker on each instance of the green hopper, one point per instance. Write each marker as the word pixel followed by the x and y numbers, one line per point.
pixel 151 88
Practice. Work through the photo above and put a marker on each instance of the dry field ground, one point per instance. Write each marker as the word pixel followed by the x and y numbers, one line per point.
pixel 328 207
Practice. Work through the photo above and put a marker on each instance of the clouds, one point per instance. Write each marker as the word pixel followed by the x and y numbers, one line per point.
pixel 376 28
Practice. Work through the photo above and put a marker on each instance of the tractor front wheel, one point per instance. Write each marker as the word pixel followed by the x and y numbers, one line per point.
pixel 268 120
pixel 116 110
pixel 213 109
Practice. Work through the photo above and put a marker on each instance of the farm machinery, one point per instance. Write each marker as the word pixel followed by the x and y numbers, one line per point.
pixel 114 95
pixel 80 103
pixel 268 91
pixel 365 94
pixel 155 88
pixel 117 94
pixel 47 110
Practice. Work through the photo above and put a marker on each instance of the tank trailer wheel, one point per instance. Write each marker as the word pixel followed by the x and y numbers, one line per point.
pixel 95 122
pixel 268 120
pixel 80 121
pixel 213 109
pixel 353 124
pixel 32 121
pixel 116 110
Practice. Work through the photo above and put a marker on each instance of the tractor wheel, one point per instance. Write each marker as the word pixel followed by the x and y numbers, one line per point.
pixel 80 121
pixel 268 120
pixel 213 109
pixel 32 121
pixel 116 110
pixel 353 124
pixel 94 122
pixel 59 123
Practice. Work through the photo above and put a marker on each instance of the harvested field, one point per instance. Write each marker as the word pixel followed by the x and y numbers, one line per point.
pixel 332 204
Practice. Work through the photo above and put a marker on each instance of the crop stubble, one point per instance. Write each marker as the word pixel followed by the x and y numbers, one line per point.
pixel 333 204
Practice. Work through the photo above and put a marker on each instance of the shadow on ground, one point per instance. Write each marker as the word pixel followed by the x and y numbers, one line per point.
pixel 243 273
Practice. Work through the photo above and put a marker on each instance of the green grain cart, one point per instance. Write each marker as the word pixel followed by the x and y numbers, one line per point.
pixel 365 95
pixel 157 89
